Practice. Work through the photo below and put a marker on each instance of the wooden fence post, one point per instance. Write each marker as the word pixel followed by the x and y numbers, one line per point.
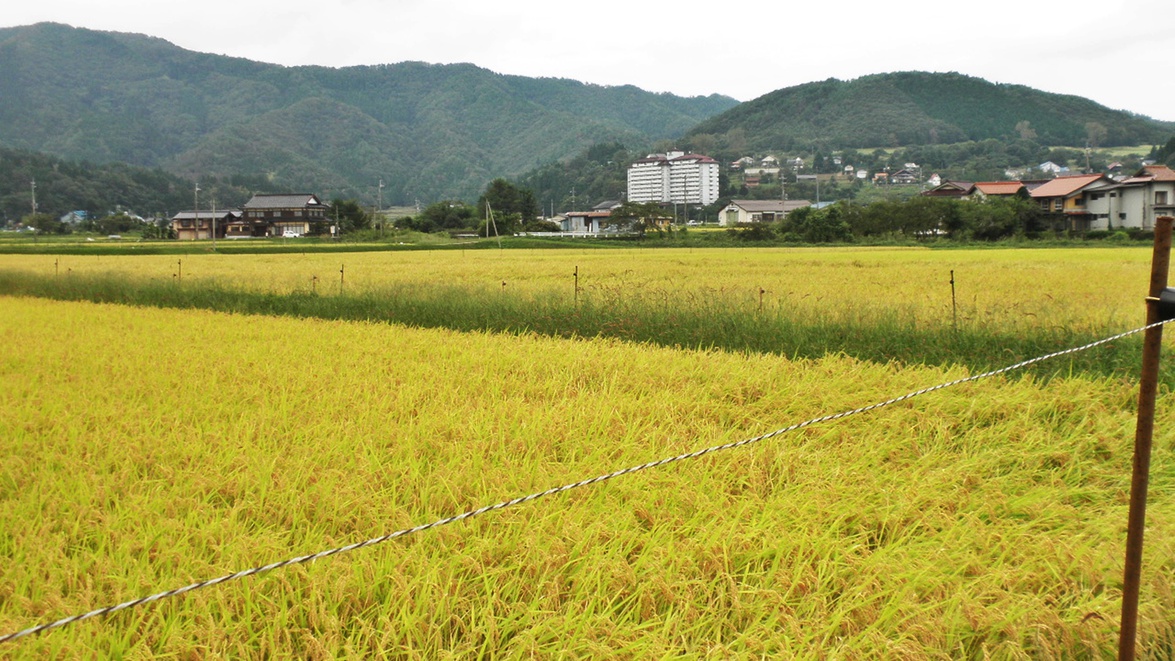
pixel 1144 429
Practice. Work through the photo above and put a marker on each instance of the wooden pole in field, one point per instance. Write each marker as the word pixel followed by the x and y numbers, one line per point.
pixel 1148 386
pixel 954 307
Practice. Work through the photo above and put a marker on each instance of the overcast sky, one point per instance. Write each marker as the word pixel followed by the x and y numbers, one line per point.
pixel 1116 52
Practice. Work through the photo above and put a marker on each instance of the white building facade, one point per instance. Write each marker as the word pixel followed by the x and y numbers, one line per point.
pixel 674 177
pixel 1132 203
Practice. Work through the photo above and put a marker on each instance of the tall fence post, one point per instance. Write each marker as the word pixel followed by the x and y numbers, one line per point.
pixel 954 306
pixel 1143 431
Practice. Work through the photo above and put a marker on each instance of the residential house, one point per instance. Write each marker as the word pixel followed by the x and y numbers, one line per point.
pixel 986 189
pixel 951 189
pixel 904 176
pixel 1052 168
pixel 193 225
pixel 285 214
pixel 1134 202
pixel 979 190
pixel 1064 198
pixel 761 172
pixel 745 212
pixel 585 222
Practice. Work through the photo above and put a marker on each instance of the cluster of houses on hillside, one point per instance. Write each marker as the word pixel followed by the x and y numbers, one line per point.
pixel 1085 201
pixel 755 170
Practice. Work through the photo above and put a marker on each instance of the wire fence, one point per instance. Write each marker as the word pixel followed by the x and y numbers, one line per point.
pixel 556 490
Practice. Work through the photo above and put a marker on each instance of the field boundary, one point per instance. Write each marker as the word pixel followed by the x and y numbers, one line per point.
pixel 556 490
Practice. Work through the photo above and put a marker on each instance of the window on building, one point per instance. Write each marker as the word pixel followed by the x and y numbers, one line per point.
pixel 1160 197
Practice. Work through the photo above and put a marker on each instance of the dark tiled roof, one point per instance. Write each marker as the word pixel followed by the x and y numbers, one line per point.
pixel 207 213
pixel 695 157
pixel 770 205
pixel 284 201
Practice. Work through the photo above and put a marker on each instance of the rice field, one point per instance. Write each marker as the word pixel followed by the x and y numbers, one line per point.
pixel 147 448
pixel 1004 288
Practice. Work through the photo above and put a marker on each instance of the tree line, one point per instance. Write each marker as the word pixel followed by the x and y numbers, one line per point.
pixel 919 218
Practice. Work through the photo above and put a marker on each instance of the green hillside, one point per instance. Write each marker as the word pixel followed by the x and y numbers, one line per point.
pixel 430 131
pixel 64 186
pixel 914 108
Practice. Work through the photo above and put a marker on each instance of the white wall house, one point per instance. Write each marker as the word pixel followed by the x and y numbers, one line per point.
pixel 584 222
pixel 1132 203
pixel 674 177
pixel 745 212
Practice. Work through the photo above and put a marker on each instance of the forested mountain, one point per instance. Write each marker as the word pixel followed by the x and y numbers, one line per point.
pixel 63 186
pixel 429 131
pixel 915 108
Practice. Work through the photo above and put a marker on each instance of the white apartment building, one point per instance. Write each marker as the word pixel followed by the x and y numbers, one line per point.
pixel 674 177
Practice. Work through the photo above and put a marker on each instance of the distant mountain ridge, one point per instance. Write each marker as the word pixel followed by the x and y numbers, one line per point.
pixel 429 131
pixel 918 108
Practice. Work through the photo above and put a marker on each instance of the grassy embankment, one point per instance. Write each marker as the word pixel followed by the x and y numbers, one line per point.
pixel 144 448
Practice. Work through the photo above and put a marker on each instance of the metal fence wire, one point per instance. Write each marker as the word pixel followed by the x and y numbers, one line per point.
pixel 549 492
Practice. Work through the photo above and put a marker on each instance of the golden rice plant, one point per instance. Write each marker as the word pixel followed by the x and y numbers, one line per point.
pixel 144 449
pixel 998 288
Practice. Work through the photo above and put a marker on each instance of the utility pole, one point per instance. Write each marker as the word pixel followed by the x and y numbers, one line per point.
pixel 573 198
pixel 196 202
pixel 33 183
pixel 213 223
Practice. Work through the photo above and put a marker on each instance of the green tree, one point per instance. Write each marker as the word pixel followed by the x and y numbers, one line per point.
pixel 637 217
pixel 350 214
pixel 44 223
pixel 439 217
pixel 504 199
pixel 811 225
